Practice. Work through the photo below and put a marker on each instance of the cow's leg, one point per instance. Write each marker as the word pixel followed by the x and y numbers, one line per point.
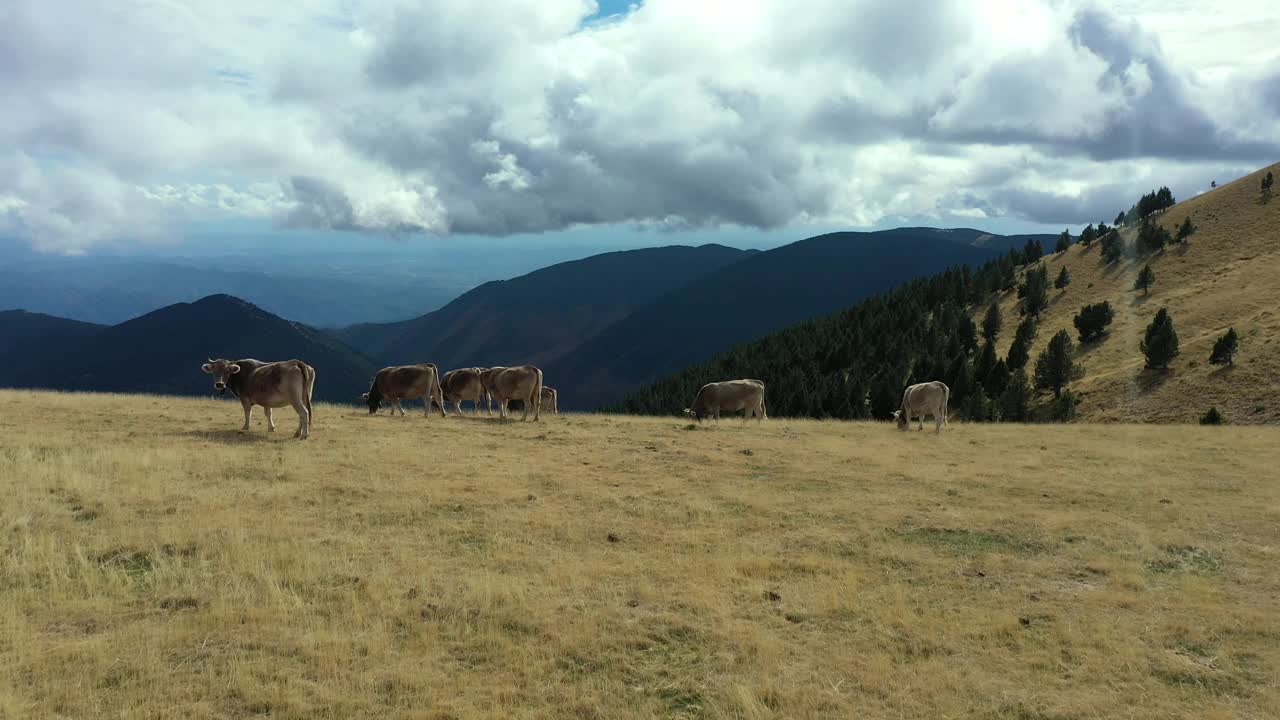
pixel 248 412
pixel 395 405
pixel 271 421
pixel 525 417
pixel 304 419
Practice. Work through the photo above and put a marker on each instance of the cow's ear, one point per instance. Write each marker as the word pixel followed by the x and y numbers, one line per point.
pixel 234 369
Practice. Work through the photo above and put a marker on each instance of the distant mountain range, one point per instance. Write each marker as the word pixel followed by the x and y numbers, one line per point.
pixel 161 352
pixel 599 326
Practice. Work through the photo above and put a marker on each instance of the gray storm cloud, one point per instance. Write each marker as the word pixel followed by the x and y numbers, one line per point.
pixel 513 116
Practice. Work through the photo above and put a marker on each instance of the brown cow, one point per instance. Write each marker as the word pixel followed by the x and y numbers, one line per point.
pixel 464 384
pixel 404 382
pixel 551 399
pixel 522 383
pixel 731 395
pixel 269 384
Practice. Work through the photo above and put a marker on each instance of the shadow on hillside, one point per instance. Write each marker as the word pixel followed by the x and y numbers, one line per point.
pixel 1139 300
pixel 1085 349
pixel 236 437
pixel 1149 379
pixel 1222 371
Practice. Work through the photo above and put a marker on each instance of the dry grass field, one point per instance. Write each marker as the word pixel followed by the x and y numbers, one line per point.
pixel 1228 275
pixel 158 564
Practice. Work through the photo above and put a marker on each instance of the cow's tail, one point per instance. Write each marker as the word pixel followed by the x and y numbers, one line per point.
pixel 537 393
pixel 946 402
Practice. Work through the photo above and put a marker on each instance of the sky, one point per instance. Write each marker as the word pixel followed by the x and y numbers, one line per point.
pixel 138 123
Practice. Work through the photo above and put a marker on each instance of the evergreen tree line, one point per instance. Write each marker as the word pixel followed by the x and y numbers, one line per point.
pixel 854 364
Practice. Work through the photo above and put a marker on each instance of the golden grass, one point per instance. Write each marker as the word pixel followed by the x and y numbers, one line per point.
pixel 157 564
pixel 1227 275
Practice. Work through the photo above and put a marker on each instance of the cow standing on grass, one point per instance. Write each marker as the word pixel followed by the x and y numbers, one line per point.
pixel 269 384
pixel 522 383
pixel 729 396
pixel 551 400
pixel 405 382
pixel 464 384
pixel 930 398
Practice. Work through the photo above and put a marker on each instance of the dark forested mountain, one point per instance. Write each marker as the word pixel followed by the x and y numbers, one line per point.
pixel 748 299
pixel 538 317
pixel 854 363
pixel 161 352
pixel 21 330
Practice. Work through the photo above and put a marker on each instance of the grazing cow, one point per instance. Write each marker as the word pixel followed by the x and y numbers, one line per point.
pixel 269 384
pixel 522 383
pixel 930 398
pixel 731 396
pixel 404 382
pixel 464 384
pixel 551 399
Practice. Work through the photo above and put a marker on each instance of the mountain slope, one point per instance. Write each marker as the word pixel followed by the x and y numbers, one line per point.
pixel 541 316
pixel 751 298
pixel 19 328
pixel 1227 275
pixel 161 352
pixel 854 363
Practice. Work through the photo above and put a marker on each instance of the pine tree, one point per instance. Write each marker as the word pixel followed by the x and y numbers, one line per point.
pixel 1146 278
pixel 968 334
pixel 1224 349
pixel 997 380
pixel 1064 279
pixel 1031 252
pixel 976 408
pixel 1119 219
pixel 1092 320
pixel 1015 400
pixel 992 323
pixel 1063 409
pixel 985 362
pixel 1055 365
pixel 1035 291
pixel 1088 235
pixel 1186 230
pixel 1020 350
pixel 1213 417
pixel 1152 237
pixel 1112 246
pixel 1064 242
pixel 1160 342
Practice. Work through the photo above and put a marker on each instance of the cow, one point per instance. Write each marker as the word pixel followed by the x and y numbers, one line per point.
pixel 930 398
pixel 730 395
pixel 464 384
pixel 403 382
pixel 551 399
pixel 486 382
pixel 269 384
pixel 523 383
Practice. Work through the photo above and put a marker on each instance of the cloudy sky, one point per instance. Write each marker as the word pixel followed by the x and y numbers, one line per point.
pixel 133 121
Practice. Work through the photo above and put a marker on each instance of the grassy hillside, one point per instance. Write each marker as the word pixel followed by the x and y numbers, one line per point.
pixel 158 564
pixel 1226 276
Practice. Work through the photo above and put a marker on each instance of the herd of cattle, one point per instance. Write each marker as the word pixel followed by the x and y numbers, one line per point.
pixel 291 383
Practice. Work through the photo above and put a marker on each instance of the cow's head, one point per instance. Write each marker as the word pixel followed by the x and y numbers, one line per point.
pixel 902 419
pixel 694 414
pixel 373 399
pixel 221 370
